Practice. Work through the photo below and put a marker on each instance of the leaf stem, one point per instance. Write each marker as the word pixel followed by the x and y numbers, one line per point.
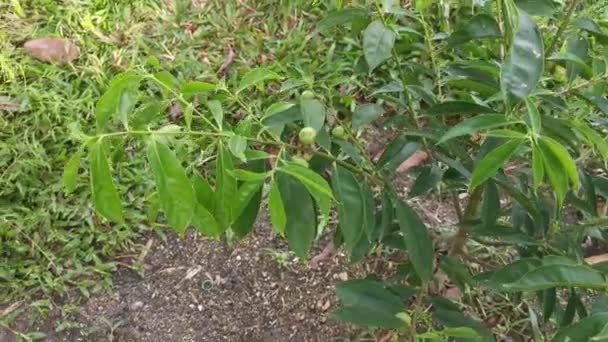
pixel 467 216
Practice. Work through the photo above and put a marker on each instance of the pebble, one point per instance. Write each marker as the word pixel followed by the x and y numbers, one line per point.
pixel 137 305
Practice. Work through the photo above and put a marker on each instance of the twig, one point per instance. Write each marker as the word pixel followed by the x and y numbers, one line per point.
pixel 562 27
pixel 227 62
pixel 467 216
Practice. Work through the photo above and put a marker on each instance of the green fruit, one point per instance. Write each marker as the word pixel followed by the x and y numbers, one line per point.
pixel 559 74
pixel 307 95
pixel 300 161
pixel 338 132
pixel 307 135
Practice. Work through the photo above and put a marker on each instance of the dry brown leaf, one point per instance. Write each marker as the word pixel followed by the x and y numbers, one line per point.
pixel 9 105
pixel 416 159
pixel 52 50
pixel 596 259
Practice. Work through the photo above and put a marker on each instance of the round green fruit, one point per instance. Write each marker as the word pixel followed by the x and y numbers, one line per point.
pixel 307 135
pixel 307 95
pixel 559 73
pixel 338 132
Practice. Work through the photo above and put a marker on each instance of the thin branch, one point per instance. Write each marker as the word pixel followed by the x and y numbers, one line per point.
pixel 562 27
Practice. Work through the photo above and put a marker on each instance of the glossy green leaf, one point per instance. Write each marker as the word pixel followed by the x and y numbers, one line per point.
pixel 277 209
pixel 341 17
pixel 474 124
pixel 512 272
pixel 561 153
pixel 70 172
pixel 312 180
pixel 582 330
pixel 587 24
pixel 458 107
pixel 204 222
pixel 203 192
pixel 176 194
pixel 350 205
pixel 378 42
pixel 489 165
pixel 105 196
pixel 417 240
pixel 506 133
pixel 300 212
pixel 549 300
pixel 225 189
pixel 313 113
pixel 510 14
pixel 256 77
pixel 461 332
pixel 248 176
pixel 458 272
pixel 215 107
pixel 426 181
pixel 365 114
pixel 538 167
pixel 399 150
pixel 544 8
pixel 249 199
pixel 110 102
pixel 368 303
pixel 490 205
pixel 524 63
pixel 453 318
pixel 369 208
pixel 391 87
pixel 593 137
pixel 597 100
pixel 478 27
pixel 192 88
pixel 237 145
pixel 534 117
pixel 277 107
pixel 579 47
pixel 556 275
pixel 386 217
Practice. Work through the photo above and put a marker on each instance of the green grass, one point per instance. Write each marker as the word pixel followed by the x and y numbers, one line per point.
pixel 51 242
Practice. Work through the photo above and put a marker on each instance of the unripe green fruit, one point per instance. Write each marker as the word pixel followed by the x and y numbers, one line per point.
pixel 307 95
pixel 307 135
pixel 338 132
pixel 300 161
pixel 559 74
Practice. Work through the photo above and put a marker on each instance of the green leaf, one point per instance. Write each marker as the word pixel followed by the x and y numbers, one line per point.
pixel 561 153
pixel 582 330
pixel 249 198
pixel 537 7
pixel 225 188
pixel 312 180
pixel 365 114
pixel 597 100
pixel 70 172
pixel 147 114
pixel 105 196
pixel 368 303
pixel 350 205
pixel 490 205
pixel 512 273
pixel 277 209
pixel 458 107
pixel 479 27
pixel 109 103
pixel 461 332
pixel 510 20
pixel 451 317
pixel 579 47
pixel 417 240
pixel 391 87
pixel 277 107
pixel 196 87
pixel 398 151
pixel 300 212
pixel 215 107
pixel 369 208
pixel 313 113
pixel 593 138
pixel 255 77
pixel 558 275
pixel 237 145
pixel 426 181
pixel 506 133
pixel 534 115
pixel 587 24
pixel 176 194
pixel 538 167
pixel 203 192
pixel 457 272
pixel 378 42
pixel 248 176
pixel 549 300
pixel 341 17
pixel 169 83
pixel 524 64
pixel 494 160
pixel 205 223
pixel 474 124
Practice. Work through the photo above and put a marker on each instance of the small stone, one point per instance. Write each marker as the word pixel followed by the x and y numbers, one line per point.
pixel 200 308
pixel 238 257
pixel 343 276
pixel 137 305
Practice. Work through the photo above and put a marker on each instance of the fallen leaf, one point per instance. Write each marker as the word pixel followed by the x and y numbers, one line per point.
pixel 418 158
pixel 227 62
pixel 596 259
pixel 9 105
pixel 453 293
pixel 53 50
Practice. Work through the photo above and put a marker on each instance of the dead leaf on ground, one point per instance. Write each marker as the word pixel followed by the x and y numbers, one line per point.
pixel 596 259
pixel 416 159
pixel 9 105
pixel 52 50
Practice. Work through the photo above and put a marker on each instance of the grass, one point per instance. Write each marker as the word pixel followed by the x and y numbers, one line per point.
pixel 51 242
